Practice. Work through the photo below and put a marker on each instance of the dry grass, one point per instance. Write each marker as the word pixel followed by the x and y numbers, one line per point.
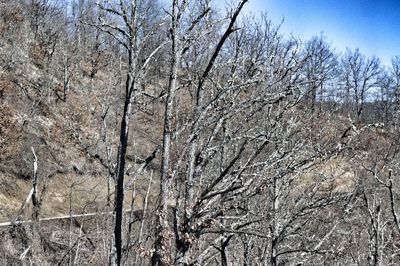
pixel 71 193
pixel 335 175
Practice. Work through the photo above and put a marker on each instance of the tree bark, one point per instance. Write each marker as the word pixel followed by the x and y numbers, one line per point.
pixel 162 254
pixel 130 93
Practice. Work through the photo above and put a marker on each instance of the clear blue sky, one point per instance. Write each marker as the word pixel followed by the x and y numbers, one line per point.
pixel 373 26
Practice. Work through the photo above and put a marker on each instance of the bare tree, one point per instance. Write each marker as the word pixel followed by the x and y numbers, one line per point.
pixel 360 76
pixel 321 67
pixel 127 33
pixel 164 235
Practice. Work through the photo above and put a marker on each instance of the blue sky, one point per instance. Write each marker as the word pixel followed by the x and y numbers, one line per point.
pixel 373 26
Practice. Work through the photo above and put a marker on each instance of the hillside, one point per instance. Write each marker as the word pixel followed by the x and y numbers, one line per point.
pixel 138 133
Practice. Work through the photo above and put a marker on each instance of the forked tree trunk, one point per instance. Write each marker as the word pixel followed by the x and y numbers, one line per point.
pixel 130 92
pixel 164 234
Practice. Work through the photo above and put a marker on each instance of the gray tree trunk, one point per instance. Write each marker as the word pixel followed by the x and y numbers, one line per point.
pixel 162 254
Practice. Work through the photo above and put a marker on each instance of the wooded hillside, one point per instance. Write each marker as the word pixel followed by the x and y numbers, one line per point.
pixel 175 133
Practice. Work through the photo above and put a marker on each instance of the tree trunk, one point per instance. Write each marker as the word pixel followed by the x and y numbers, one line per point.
pixel 162 254
pixel 116 253
pixel 130 86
